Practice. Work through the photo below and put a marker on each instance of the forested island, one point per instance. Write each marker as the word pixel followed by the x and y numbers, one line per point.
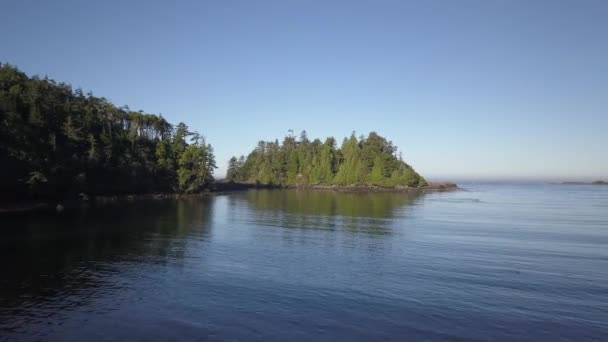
pixel 57 142
pixel 369 161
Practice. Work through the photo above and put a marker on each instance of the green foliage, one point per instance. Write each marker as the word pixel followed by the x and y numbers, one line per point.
pixel 165 156
pixel 359 161
pixel 378 176
pixel 232 172
pixel 196 166
pixel 350 171
pixel 56 141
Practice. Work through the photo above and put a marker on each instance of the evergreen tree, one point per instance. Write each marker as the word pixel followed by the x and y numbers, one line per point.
pixel 377 176
pixel 56 142
pixel 196 166
pixel 233 170
pixel 349 172
pixel 370 160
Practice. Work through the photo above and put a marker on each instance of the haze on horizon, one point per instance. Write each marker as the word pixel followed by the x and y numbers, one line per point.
pixel 467 90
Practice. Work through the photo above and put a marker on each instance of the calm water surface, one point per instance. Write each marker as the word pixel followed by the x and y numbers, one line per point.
pixel 494 262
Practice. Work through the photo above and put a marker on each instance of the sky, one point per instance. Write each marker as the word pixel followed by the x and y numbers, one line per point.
pixel 482 89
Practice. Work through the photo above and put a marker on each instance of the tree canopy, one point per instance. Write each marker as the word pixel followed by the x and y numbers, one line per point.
pixel 56 142
pixel 371 160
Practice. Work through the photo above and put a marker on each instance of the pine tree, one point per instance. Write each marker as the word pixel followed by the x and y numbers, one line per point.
pixel 56 141
pixel 233 169
pixel 370 160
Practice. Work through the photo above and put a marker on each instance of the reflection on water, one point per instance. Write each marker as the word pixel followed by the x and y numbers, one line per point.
pixel 331 203
pixel 324 210
pixel 77 253
pixel 496 262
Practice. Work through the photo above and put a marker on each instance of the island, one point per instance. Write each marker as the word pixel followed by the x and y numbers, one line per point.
pixel 61 144
pixel 361 163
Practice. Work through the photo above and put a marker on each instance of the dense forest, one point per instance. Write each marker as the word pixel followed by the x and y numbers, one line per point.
pixel 57 142
pixel 370 160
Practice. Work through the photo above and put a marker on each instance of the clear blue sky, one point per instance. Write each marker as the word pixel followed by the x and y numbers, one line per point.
pixel 474 89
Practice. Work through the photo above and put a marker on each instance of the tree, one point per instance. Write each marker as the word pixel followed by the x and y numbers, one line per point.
pixel 56 142
pixel 233 170
pixel 196 166
pixel 370 160
pixel 349 170
pixel 378 176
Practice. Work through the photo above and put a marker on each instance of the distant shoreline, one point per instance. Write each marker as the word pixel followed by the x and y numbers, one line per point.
pixel 597 182
pixel 215 189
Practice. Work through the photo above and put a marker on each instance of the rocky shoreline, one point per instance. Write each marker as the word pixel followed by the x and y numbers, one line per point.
pixel 444 186
pixel 432 187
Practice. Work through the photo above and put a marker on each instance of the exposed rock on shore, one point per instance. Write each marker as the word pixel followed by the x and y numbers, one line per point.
pixel 597 182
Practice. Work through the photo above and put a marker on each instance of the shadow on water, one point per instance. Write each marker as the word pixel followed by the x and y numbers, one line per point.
pixel 359 212
pixel 53 256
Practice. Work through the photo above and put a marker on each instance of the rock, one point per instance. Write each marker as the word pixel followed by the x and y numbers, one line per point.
pixel 59 208
pixel 442 186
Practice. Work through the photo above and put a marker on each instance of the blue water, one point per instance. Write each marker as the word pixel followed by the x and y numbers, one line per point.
pixel 525 262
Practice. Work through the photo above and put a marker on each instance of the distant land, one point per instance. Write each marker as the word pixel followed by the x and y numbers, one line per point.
pixel 597 182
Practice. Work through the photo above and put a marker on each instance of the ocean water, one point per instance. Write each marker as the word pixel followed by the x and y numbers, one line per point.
pixel 524 262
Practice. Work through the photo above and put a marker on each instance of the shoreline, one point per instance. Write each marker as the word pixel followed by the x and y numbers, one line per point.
pixel 26 207
pixel 597 182
pixel 432 187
